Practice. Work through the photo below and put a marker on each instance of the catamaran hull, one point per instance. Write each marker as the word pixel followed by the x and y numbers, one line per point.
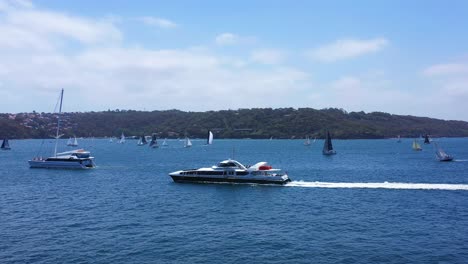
pixel 76 164
pixel 201 179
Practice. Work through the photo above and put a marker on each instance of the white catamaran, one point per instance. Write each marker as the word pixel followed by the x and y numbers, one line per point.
pixel 75 159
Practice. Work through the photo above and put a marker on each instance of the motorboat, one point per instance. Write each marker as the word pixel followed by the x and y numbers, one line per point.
pixel 232 171
pixel 75 159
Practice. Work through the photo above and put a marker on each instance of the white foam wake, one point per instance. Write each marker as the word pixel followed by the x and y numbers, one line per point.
pixel 380 185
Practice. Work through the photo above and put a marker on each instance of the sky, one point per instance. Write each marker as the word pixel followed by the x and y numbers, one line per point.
pixel 400 57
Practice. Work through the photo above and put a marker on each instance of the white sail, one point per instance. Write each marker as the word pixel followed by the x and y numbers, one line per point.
pixel 187 143
pixel 210 138
pixel 69 142
pixel 307 141
pixel 122 138
pixel 416 145
pixel 164 142
pixel 75 142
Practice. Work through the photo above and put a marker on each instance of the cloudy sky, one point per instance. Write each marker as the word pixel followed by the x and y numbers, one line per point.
pixel 401 57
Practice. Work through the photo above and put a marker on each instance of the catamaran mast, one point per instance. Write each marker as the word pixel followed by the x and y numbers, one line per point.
pixel 58 124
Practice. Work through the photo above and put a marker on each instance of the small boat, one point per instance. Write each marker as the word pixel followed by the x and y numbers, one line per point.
pixel 209 139
pixel 327 146
pixel 426 139
pixel 398 139
pixel 416 146
pixel 441 154
pixel 164 144
pixel 122 139
pixel 232 171
pixel 75 159
pixel 307 141
pixel 142 141
pixel 5 144
pixel 187 143
pixel 154 142
pixel 72 143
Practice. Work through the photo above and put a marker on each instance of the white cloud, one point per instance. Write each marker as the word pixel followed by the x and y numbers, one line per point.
pixel 226 39
pixel 6 5
pixel 267 56
pixel 157 22
pixel 446 69
pixel 102 73
pixel 346 49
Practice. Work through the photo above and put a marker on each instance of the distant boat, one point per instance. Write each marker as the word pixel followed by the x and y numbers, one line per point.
pixel 187 143
pixel 142 141
pixel 209 139
pixel 327 146
pixel 271 138
pixel 164 144
pixel 307 141
pixel 398 139
pixel 111 139
pixel 72 143
pixel 153 143
pixel 441 154
pixel 75 159
pixel 426 139
pixel 122 138
pixel 5 145
pixel 416 146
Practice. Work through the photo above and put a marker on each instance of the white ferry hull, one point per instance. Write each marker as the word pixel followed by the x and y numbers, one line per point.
pixel 176 177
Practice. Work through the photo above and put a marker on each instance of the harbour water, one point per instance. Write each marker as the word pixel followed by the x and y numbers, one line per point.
pixel 376 201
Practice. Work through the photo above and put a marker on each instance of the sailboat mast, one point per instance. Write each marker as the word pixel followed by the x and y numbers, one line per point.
pixel 58 124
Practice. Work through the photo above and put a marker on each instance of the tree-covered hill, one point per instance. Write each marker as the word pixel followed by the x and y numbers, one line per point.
pixel 241 123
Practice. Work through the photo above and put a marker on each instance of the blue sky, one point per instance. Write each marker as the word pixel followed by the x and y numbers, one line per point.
pixel 401 57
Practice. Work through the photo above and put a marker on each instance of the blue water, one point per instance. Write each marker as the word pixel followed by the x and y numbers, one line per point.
pixel 128 210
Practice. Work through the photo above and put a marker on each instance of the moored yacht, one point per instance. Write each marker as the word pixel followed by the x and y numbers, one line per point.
pixel 75 159
pixel 232 171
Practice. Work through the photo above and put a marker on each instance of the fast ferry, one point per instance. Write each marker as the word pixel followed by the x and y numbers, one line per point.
pixel 232 171
pixel 75 159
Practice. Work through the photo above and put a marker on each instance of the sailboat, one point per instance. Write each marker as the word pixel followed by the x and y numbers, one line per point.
pixel 398 139
pixel 153 143
pixel 5 145
pixel 164 144
pixel 209 139
pixel 416 146
pixel 307 141
pixel 426 139
pixel 72 143
pixel 122 138
pixel 187 143
pixel 327 146
pixel 441 154
pixel 142 141
pixel 75 159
